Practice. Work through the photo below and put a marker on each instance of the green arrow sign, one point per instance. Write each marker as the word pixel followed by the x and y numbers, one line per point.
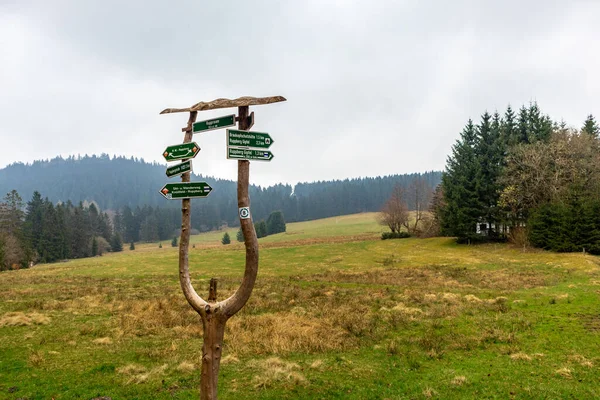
pixel 179 169
pixel 181 151
pixel 185 190
pixel 249 154
pixel 239 138
pixel 212 124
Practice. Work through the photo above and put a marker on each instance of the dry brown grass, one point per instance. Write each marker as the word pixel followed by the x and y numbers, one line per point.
pixel 281 333
pixel 36 358
pixel 565 372
pixel 22 319
pixel 459 380
pixel 103 341
pixel 136 373
pixel 186 366
pixel 581 360
pixel 274 370
pixel 520 357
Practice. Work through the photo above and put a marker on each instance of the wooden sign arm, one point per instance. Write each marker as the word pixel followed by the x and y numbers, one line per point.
pixel 191 295
pixel 234 303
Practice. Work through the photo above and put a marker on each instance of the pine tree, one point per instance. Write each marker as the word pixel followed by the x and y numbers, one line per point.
pixel 33 221
pixel 590 127
pixel 132 246
pixel 226 239
pixel 240 235
pixel 523 127
pixel 459 184
pixel 174 241
pixel 94 247
pixel 508 129
pixel 490 154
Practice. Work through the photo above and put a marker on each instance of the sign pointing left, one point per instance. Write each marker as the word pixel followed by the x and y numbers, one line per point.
pixel 185 190
pixel 181 151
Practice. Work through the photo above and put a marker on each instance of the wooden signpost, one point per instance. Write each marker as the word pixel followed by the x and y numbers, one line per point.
pixel 215 313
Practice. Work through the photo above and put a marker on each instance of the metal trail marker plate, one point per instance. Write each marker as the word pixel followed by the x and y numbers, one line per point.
pixel 179 169
pixel 212 124
pixel 185 190
pixel 181 151
pixel 248 154
pixel 237 138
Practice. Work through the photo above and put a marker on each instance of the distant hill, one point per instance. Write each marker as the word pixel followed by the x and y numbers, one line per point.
pixel 114 183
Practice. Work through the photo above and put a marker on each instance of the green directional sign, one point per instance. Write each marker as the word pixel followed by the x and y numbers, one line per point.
pixel 212 124
pixel 179 169
pixel 239 138
pixel 185 190
pixel 248 154
pixel 181 151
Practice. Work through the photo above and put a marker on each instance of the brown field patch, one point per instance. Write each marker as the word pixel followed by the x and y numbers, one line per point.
pixel 22 319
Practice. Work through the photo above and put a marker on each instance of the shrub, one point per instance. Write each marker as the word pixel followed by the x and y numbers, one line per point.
pixel 261 229
pixel 394 235
pixel 275 223
pixel 132 246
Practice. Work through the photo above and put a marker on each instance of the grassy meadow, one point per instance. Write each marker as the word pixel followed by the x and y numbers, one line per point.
pixel 336 314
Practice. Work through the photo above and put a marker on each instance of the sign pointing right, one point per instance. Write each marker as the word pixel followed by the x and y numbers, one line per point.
pixel 237 138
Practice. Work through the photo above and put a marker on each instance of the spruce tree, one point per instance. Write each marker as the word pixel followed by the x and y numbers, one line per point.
pixel 508 129
pixel 522 136
pixel 116 243
pixel 94 247
pixel 462 208
pixel 489 152
pixel 132 246
pixel 33 221
pixel 240 235
pixel 226 239
pixel 174 241
pixel 590 127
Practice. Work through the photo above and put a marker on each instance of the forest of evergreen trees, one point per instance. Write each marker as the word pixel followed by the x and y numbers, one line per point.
pixel 131 186
pixel 524 177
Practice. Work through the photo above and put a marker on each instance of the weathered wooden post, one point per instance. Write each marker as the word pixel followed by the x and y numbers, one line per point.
pixel 215 313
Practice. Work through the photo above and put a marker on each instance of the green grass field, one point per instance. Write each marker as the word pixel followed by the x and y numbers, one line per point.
pixel 336 314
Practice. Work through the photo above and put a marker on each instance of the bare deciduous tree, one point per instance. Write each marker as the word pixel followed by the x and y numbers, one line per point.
pixel 420 192
pixel 394 212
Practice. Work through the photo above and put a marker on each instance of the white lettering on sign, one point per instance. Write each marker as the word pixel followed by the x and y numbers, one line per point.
pixel 244 212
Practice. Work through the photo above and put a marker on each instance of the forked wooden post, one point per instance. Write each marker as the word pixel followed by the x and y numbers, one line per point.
pixel 215 313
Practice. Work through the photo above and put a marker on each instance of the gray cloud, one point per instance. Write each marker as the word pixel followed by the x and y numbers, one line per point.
pixel 373 89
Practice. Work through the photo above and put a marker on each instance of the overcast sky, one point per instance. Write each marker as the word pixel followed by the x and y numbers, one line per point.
pixel 373 87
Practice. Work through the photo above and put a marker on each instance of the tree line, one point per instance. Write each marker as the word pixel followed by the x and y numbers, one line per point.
pixel 130 186
pixel 524 177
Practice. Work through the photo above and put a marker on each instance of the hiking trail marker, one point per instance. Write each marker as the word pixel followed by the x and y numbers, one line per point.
pixel 234 153
pixel 179 169
pixel 185 190
pixel 214 314
pixel 181 151
pixel 212 124
pixel 259 140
